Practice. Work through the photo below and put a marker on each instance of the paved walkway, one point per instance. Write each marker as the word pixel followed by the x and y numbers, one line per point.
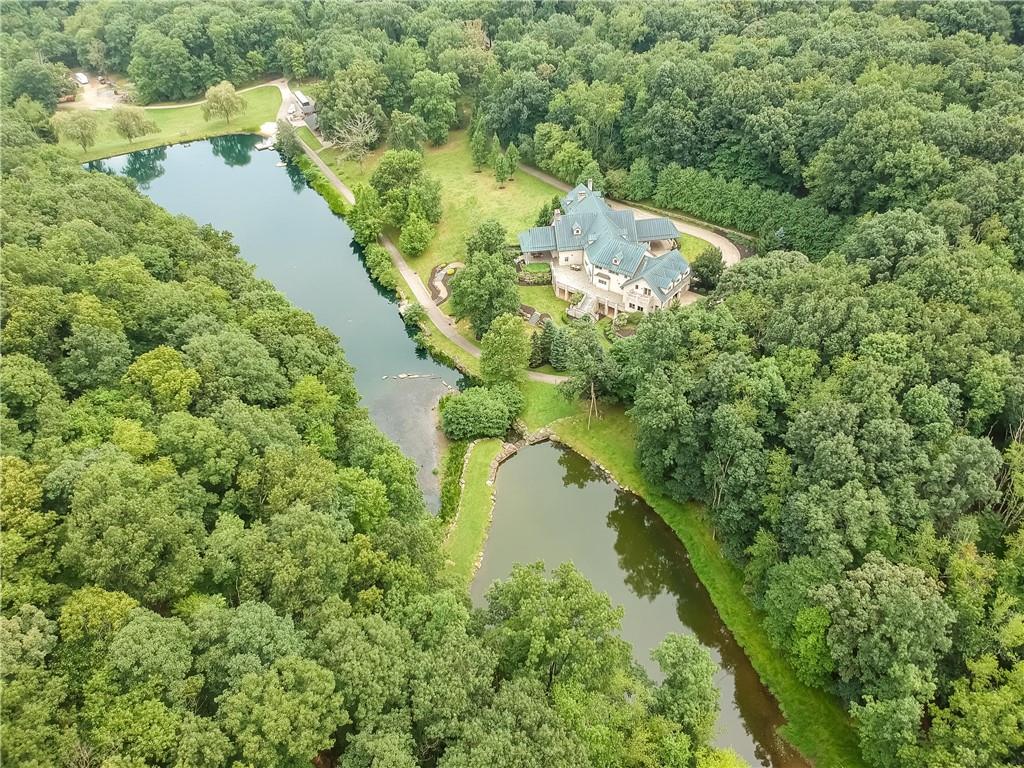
pixel 730 253
pixel 444 323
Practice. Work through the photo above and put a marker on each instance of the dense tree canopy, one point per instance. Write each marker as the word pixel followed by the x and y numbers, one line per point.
pixel 213 558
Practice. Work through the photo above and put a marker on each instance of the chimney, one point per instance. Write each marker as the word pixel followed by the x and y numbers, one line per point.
pixel 590 184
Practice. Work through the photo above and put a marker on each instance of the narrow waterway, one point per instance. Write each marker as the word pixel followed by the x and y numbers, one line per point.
pixel 553 505
pixel 290 235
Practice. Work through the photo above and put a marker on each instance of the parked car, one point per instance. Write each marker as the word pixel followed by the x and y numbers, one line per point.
pixel 291 110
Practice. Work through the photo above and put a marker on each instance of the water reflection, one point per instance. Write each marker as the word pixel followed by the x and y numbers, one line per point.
pixel 235 151
pixel 553 505
pixel 146 165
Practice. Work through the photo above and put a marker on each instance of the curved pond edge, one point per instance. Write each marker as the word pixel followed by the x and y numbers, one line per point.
pixel 816 723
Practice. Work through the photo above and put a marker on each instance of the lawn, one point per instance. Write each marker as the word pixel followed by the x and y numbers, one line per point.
pixel 816 724
pixel 466 539
pixel 690 246
pixel 180 124
pixel 309 138
pixel 543 299
pixel 544 404
pixel 467 197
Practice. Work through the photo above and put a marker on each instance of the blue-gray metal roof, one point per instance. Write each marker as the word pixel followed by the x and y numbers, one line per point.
pixel 656 229
pixel 617 255
pixel 614 240
pixel 537 239
pixel 663 273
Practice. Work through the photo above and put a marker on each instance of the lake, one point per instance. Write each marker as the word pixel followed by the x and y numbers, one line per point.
pixel 288 233
pixel 552 504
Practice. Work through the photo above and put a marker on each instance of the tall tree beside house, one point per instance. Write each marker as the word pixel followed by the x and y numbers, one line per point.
pixel 504 350
pixel 222 100
pixel 131 122
pixel 483 290
pixel 287 140
pixel 708 267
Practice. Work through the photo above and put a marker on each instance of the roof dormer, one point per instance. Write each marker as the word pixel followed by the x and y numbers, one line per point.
pixel 577 230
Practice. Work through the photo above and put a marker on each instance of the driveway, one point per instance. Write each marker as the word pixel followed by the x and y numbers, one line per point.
pixel 730 253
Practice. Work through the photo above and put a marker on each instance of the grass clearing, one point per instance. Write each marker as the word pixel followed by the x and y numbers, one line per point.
pixel 467 197
pixel 544 404
pixel 690 246
pixel 816 723
pixel 179 124
pixel 469 530
pixel 543 299
pixel 309 138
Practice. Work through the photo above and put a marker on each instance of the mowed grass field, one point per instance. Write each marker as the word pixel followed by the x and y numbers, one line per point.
pixel 178 124
pixel 467 197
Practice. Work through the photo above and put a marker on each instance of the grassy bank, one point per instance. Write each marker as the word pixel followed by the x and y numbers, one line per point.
pixel 816 724
pixel 178 124
pixel 469 530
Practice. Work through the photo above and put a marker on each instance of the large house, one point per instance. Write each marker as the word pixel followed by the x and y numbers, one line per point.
pixel 613 260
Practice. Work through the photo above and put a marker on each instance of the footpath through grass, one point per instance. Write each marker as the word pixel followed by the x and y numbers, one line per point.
pixel 178 124
pixel 466 540
pixel 816 724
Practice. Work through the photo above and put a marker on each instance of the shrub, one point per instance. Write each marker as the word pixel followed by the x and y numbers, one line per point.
pixel 512 397
pixel 414 315
pixel 379 265
pixel 477 412
pixel 451 477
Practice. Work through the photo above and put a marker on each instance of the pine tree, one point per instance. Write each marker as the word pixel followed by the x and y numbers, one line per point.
pixel 547 336
pixel 537 349
pixel 560 350
pixel 501 168
pixel 512 155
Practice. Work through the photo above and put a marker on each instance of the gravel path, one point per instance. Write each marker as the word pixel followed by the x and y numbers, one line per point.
pixel 444 323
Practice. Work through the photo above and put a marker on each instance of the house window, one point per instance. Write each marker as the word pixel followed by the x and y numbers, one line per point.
pixel 632 305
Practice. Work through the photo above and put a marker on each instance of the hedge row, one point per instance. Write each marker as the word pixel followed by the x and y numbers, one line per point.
pixel 779 219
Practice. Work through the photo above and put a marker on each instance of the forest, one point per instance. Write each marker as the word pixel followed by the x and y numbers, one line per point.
pixel 847 404
pixel 212 556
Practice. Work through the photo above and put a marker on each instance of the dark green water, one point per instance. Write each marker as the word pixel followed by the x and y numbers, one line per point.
pixel 553 505
pixel 287 231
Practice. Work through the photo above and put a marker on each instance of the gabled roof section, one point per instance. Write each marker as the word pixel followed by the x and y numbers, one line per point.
pixel 617 255
pixel 537 239
pixel 576 230
pixel 663 273
pixel 583 198
pixel 655 229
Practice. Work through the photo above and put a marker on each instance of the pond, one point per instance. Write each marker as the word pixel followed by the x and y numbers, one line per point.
pixel 553 505
pixel 288 233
